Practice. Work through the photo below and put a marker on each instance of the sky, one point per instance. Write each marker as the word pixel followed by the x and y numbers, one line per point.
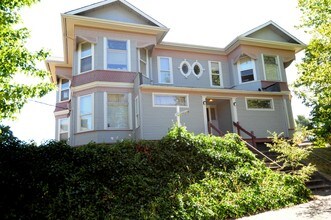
pixel 209 23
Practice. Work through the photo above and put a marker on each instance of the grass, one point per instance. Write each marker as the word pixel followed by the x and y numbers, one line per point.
pixel 321 158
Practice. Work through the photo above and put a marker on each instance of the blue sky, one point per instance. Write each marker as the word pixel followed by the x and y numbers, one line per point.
pixel 209 22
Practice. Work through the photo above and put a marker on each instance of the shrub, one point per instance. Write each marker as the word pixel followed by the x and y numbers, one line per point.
pixel 183 176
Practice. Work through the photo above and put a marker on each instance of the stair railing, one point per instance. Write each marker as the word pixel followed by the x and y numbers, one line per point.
pixel 211 126
pixel 262 154
pixel 250 134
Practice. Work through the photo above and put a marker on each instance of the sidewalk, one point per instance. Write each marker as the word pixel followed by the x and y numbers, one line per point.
pixel 317 209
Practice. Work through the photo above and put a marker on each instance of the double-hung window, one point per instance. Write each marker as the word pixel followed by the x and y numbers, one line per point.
pixel 85 57
pixel 143 61
pixel 165 70
pixel 271 68
pixel 118 111
pixel 170 100
pixel 117 55
pixel 85 116
pixel 63 129
pixel 246 68
pixel 215 74
pixel 64 89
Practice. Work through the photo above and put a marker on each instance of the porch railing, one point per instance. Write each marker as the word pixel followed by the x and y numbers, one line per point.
pixel 211 126
pixel 250 134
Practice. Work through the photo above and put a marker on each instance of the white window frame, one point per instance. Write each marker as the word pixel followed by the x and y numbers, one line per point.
pixel 137 111
pixel 260 109
pixel 79 116
pixel 220 74
pixel 278 63
pixel 189 68
pixel 239 71
pixel 201 69
pixel 80 57
pixel 60 90
pixel 144 61
pixel 170 71
pixel 171 94
pixel 128 47
pixel 59 128
pixel 106 110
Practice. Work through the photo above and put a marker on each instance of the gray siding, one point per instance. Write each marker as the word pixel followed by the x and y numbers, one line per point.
pixel 158 120
pixel 224 116
pixel 262 121
pixel 117 12
pixel 267 34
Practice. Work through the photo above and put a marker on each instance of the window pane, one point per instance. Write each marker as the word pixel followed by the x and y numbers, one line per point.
pixel 85 105
pixel 64 136
pixel 215 68
pixel 165 77
pixel 143 69
pixel 64 95
pixel 169 100
pixel 216 80
pixel 164 64
pixel 64 84
pixel 117 59
pixel 86 64
pixel 86 122
pixel 63 125
pixel 118 111
pixel 185 68
pixel 247 75
pixel 86 50
pixel 143 54
pixel 259 103
pixel 117 45
pixel 271 68
pixel 246 63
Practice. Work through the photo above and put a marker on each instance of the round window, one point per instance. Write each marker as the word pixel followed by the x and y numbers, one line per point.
pixel 197 69
pixel 185 68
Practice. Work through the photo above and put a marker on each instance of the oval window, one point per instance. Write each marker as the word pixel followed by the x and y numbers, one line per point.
pixel 197 69
pixel 185 68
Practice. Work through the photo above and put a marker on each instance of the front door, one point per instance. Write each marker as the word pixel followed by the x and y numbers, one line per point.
pixel 212 117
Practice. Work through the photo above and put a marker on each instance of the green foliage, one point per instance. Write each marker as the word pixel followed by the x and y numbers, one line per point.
pixel 292 154
pixel 303 122
pixel 182 177
pixel 16 59
pixel 313 84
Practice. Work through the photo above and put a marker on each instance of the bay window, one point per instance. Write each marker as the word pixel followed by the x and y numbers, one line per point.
pixel 117 111
pixel 85 57
pixel 246 69
pixel 85 113
pixel 271 68
pixel 64 89
pixel 63 130
pixel 117 55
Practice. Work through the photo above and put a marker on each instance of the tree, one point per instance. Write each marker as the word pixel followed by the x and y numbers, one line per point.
pixel 303 122
pixel 313 84
pixel 16 60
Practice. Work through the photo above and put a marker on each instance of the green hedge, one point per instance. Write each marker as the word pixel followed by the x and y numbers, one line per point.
pixel 182 177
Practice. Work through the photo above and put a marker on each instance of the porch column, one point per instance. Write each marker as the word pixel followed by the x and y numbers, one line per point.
pixel 204 111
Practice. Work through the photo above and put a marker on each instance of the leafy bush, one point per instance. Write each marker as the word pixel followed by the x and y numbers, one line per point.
pixel 183 176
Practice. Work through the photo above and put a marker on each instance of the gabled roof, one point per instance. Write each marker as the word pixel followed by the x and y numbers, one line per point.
pixel 108 2
pixel 272 26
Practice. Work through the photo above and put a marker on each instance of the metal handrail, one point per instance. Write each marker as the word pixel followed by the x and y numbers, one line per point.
pixel 259 152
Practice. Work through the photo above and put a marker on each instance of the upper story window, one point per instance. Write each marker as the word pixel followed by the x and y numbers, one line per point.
pixel 246 69
pixel 170 100
pixel 197 69
pixel 117 111
pixel 85 113
pixel 85 57
pixel 271 68
pixel 143 61
pixel 185 68
pixel 117 55
pixel 165 70
pixel 63 129
pixel 64 89
pixel 215 74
